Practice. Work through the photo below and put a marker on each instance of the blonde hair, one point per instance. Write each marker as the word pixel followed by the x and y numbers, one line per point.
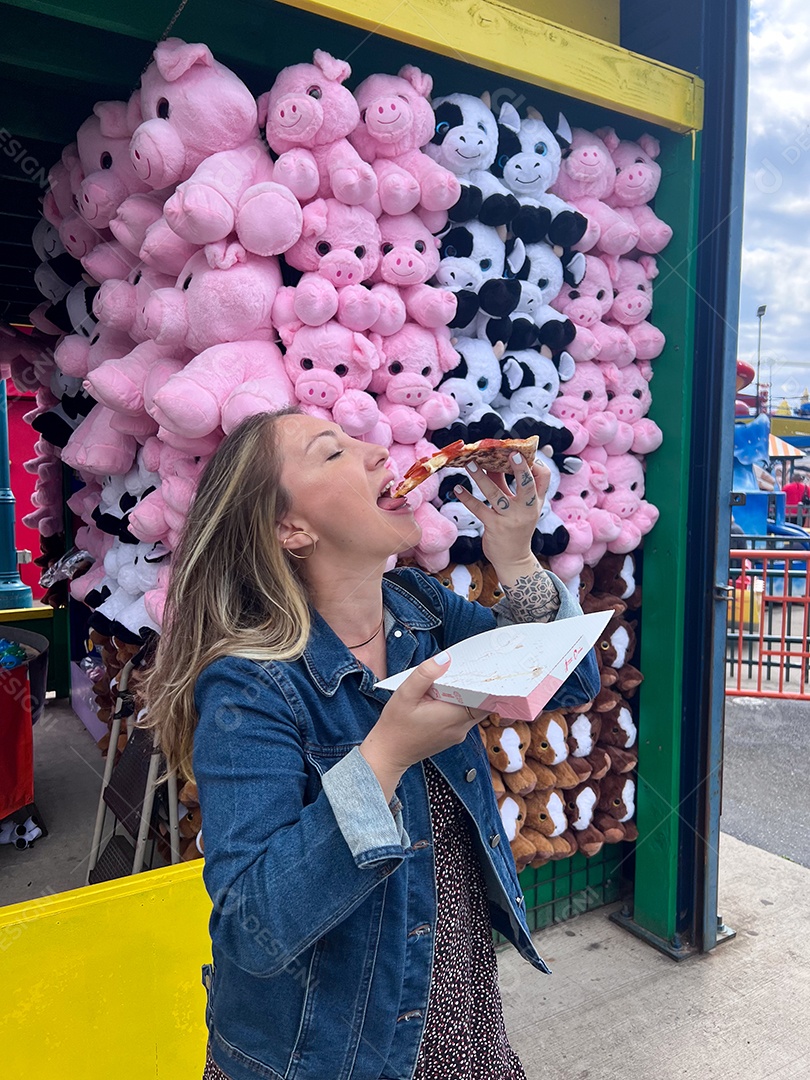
pixel 233 590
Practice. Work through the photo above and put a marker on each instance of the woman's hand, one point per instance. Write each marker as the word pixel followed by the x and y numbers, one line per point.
pixel 413 726
pixel 511 518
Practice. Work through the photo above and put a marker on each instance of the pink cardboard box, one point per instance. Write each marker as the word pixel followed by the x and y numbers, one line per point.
pixel 514 670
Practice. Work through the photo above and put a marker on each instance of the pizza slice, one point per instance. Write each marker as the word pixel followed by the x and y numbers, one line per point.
pixel 494 455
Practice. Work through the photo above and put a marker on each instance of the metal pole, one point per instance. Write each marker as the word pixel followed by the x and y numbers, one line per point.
pixel 13 593
pixel 759 351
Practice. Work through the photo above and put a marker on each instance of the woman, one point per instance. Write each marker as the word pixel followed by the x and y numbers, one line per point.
pixel 353 848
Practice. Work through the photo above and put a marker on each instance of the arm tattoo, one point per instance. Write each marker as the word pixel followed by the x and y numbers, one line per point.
pixel 533 598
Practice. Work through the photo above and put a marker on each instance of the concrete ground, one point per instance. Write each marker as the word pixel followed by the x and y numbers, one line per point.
pixel 766 796
pixel 615 1009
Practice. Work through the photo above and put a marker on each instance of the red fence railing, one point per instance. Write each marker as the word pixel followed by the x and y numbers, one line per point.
pixel 767 649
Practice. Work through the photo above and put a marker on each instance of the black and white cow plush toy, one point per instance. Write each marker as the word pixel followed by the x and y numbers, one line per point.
pixel 465 141
pixel 473 384
pixel 521 317
pixel 530 383
pixel 528 163
pixel 467 547
pixel 471 254
pixel 550 535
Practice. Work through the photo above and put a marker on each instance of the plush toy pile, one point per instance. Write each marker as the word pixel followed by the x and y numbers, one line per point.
pixel 418 271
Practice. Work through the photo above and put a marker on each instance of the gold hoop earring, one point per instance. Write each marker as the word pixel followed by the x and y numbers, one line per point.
pixel 294 554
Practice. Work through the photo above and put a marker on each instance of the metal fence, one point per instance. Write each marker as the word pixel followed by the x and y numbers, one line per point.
pixel 767 652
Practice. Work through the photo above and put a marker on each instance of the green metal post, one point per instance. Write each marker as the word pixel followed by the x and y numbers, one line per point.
pixel 13 593
pixel 664 583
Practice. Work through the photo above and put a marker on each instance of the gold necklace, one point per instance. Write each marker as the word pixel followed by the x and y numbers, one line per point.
pixel 368 640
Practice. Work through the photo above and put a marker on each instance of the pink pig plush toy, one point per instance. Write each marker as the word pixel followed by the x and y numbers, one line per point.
pixel 582 407
pixel 119 303
pixel 632 303
pixel 629 399
pixel 192 401
pixel 587 178
pixel 638 175
pixel 586 305
pixel 140 227
pixel 339 248
pixel 624 497
pixel 109 175
pixel 308 114
pixel 410 257
pixel 96 449
pixel 212 306
pixel 396 120
pixel 414 361
pixel 330 367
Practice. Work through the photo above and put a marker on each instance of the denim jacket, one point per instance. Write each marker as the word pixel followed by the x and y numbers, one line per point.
pixel 323 893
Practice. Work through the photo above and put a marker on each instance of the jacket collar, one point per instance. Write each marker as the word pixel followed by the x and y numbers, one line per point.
pixel 326 657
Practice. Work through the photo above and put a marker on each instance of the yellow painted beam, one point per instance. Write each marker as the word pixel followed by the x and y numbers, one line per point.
pixel 599 18
pixel 105 981
pixel 518 45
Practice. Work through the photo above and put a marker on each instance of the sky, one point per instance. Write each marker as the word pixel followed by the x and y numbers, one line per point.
pixel 776 229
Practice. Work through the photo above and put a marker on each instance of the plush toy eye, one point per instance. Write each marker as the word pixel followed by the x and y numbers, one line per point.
pixel 482 383
pixel 137 278
pixel 341 370
pixel 615 731
pixel 496 749
pixel 542 283
pixel 502 160
pixel 426 370
pixel 639 161
pixel 395 368
pixel 587 395
pixel 556 496
pixel 450 252
pixel 610 395
pixel 360 251
pixel 315 92
pixel 485 264
pixel 600 295
pixel 583 494
pixel 571 804
pixel 548 388
pixel 307 364
pixel 618 170
pixel 187 282
pixel 573 294
pixel 544 746
pixel 540 148
pixel 106 160
pixel 420 246
pixel 385 248
pixel 641 288
pixel 617 802
pixel 633 486
pixel 615 293
pixel 604 645
pixel 323 247
pixel 363 116
pixel 637 394
pixel 508 272
pixel 541 817
pixel 442 127
pixel 163 109
pixel 609 489
pixel 481 126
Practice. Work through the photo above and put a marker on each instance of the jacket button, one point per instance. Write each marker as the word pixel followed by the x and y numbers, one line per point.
pixel 397 633
pixel 470 775
pixel 494 840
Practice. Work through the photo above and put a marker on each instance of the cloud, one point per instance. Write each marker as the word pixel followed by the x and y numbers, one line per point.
pixel 776 237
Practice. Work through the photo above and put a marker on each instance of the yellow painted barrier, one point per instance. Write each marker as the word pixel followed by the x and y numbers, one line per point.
pixel 104 981
pixel 506 41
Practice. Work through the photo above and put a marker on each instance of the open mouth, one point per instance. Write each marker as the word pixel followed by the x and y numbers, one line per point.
pixel 386 501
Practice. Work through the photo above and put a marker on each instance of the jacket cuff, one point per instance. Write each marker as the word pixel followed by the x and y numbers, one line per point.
pixel 371 827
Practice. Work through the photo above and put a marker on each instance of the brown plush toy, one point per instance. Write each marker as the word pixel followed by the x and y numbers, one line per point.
pixel 583 735
pixel 506 749
pixel 491 589
pixel 616 574
pixel 580 805
pixel 512 809
pixel 615 808
pixel 546 826
pixel 465 580
pixel 617 736
pixel 548 752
